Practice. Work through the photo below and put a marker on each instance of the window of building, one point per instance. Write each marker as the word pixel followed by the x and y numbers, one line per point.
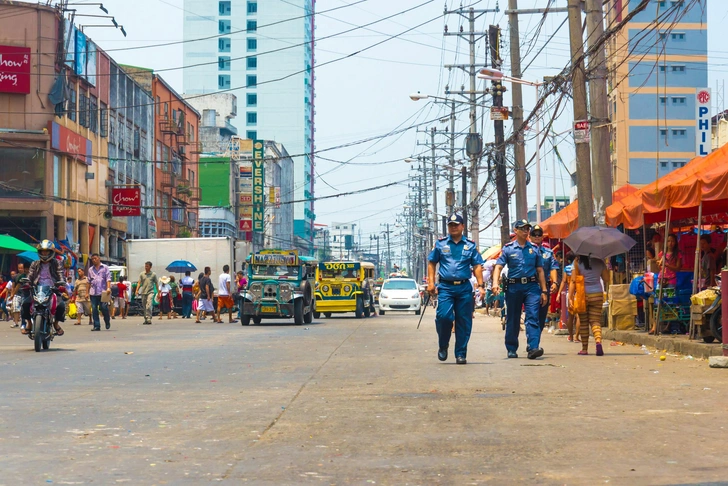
pixel 663 35
pixel 223 81
pixel 252 44
pixel 93 115
pixel 663 68
pixel 223 26
pixel 251 80
pixel 72 105
pixel 678 36
pixel 661 3
pixel 83 110
pixel 663 165
pixel 158 101
pixel 224 44
pixel 663 132
pixel 679 132
pixel 663 100
pixel 251 118
pixel 252 25
pixel 251 134
pixel 251 99
pixel 252 7
pixel 678 69
pixel 166 110
pixel 678 100
pixel 224 7
pixel 57 176
pixel 223 63
pixel 104 121
pixel 251 62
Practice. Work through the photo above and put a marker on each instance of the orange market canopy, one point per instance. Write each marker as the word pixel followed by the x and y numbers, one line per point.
pixel 566 221
pixel 703 178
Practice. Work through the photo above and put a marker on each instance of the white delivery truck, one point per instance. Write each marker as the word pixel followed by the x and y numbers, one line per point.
pixel 201 252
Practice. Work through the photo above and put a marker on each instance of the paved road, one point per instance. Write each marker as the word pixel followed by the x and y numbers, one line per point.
pixel 347 401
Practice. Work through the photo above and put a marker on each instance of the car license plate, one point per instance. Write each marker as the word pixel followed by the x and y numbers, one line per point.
pixel 268 308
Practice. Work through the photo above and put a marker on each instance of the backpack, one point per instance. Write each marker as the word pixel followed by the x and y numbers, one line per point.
pixel 114 290
pixel 638 289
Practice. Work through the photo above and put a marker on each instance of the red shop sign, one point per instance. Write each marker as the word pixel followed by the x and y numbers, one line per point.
pixel 71 143
pixel 14 69
pixel 126 201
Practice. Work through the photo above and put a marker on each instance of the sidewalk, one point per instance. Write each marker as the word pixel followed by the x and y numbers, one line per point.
pixel 675 343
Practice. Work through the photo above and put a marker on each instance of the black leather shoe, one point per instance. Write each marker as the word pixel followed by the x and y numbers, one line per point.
pixel 108 325
pixel 535 353
pixel 96 329
pixel 461 360
pixel 512 354
pixel 442 354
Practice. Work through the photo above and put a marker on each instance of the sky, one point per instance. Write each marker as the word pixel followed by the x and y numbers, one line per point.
pixel 365 96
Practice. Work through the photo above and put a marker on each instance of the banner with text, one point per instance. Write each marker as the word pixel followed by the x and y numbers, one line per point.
pixel 14 69
pixel 703 138
pixel 127 201
pixel 258 186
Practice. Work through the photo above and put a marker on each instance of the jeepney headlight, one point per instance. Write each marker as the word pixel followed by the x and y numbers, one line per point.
pixel 347 289
pixel 325 288
pixel 286 292
pixel 270 291
pixel 256 290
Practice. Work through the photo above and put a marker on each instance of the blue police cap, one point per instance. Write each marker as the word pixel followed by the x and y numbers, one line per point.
pixel 521 223
pixel 455 219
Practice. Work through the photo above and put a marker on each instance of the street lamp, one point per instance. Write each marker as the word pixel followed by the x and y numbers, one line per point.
pixel 492 74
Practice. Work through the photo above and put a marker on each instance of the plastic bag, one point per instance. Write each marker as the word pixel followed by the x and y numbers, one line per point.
pixel 72 310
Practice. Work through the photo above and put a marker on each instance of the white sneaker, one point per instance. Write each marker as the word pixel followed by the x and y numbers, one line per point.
pixel 552 329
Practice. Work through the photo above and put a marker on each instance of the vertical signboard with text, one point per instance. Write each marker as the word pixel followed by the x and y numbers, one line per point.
pixel 702 118
pixel 258 186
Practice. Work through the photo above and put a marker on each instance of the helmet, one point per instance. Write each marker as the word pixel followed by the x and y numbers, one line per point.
pixel 46 250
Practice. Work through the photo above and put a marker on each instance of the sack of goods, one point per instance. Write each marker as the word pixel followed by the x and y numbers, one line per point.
pixel 705 297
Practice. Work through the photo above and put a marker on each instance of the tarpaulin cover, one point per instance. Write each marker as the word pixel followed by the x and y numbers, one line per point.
pixel 563 223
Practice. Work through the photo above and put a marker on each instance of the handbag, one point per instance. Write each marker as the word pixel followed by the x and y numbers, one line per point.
pixel 578 301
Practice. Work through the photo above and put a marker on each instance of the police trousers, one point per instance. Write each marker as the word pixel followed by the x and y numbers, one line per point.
pixel 518 296
pixel 454 303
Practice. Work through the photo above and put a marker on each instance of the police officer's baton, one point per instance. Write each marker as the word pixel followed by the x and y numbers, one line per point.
pixel 427 301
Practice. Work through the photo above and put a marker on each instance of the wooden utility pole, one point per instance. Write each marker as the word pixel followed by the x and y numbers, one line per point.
pixel 598 106
pixel 501 177
pixel 519 148
pixel 578 82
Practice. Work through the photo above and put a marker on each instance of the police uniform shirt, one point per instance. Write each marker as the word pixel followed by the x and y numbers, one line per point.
pixel 521 261
pixel 456 259
pixel 548 260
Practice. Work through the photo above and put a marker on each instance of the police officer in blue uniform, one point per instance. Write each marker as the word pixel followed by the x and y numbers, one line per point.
pixel 526 287
pixel 549 270
pixel 459 259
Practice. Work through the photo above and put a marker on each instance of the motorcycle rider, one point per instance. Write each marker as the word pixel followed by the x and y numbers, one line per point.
pixel 47 270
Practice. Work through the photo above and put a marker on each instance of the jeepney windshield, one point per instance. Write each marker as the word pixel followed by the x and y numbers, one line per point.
pixel 275 271
pixel 339 270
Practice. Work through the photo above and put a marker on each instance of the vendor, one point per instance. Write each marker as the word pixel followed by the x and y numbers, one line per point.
pixel 707 263
pixel 670 262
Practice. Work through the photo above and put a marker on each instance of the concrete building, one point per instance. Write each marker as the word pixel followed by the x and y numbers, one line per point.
pixel 343 241
pixel 256 51
pixel 216 128
pixel 654 77
pixel 176 152
pixel 72 127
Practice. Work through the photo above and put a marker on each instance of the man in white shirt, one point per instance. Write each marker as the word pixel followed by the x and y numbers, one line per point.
pixel 224 295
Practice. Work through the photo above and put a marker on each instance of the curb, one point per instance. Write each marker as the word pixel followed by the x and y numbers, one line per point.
pixel 675 344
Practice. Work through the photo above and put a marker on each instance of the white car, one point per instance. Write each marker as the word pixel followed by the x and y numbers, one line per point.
pixel 399 294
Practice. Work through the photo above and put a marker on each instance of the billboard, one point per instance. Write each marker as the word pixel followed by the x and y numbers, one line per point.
pixel 91 61
pixel 703 139
pixel 71 143
pixel 126 201
pixel 80 61
pixel 14 69
pixel 258 186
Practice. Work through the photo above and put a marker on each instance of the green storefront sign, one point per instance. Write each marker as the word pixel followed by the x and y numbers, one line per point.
pixel 258 186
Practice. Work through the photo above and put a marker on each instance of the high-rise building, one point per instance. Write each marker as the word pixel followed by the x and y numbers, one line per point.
pixel 658 67
pixel 263 52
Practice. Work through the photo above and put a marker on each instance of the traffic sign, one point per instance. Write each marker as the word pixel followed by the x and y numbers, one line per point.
pixel 246 225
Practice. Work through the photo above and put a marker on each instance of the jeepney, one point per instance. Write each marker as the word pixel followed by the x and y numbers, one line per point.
pixel 280 285
pixel 344 287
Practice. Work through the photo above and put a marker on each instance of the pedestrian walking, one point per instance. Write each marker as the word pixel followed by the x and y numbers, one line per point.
pixel 596 282
pixel 81 297
pixel 458 259
pixel 549 270
pixel 241 283
pixel 18 295
pixel 566 310
pixel 146 286
pixel 3 297
pixel 118 301
pixel 206 294
pixel 187 283
pixel 526 286
pixel 99 277
pixel 165 298
pixel 174 294
pixel 127 297
pixel 224 295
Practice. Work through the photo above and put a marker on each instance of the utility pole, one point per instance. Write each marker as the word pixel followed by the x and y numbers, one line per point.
pixel 434 189
pixel 578 82
pixel 450 194
pixel 598 106
pixel 474 143
pixel 501 177
pixel 519 149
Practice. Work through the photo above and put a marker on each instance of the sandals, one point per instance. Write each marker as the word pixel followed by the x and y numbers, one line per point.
pixel 60 331
pixel 583 352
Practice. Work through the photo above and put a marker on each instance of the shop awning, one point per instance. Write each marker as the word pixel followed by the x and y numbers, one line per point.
pixel 681 190
pixel 563 223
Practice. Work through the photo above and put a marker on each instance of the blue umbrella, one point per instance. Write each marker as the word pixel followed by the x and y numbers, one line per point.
pixel 180 266
pixel 31 256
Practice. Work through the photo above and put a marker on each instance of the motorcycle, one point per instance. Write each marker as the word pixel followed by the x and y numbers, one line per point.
pixel 42 312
